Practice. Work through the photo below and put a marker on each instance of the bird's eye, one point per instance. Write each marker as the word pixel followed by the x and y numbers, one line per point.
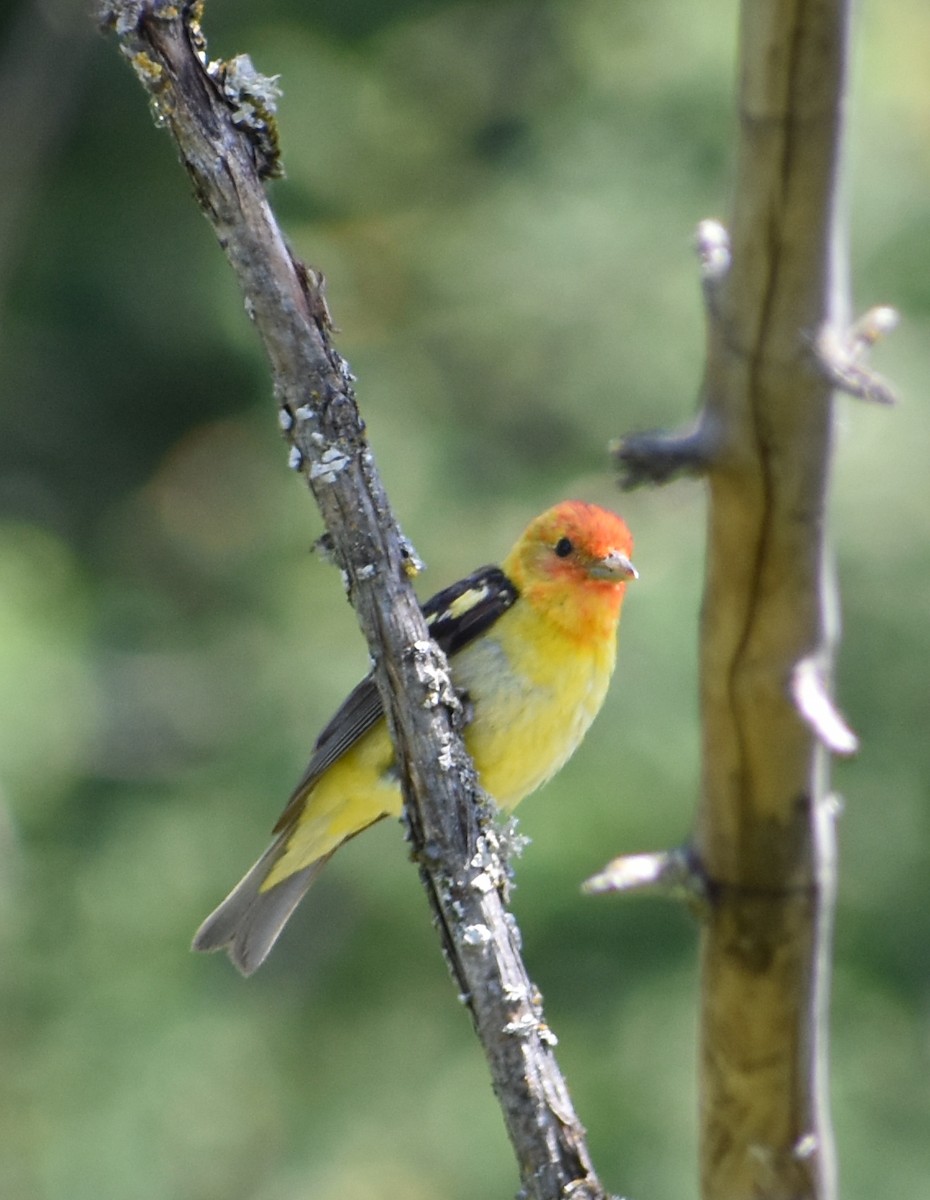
pixel 564 547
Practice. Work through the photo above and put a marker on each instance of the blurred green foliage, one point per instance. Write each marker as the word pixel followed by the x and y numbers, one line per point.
pixel 502 196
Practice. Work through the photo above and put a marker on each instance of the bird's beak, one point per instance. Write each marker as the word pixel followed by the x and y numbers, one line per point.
pixel 613 566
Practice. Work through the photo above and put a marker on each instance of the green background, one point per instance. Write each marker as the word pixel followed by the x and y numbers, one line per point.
pixel 502 196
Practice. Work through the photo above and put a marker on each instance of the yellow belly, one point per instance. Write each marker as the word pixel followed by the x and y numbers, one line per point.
pixel 529 723
pixel 531 710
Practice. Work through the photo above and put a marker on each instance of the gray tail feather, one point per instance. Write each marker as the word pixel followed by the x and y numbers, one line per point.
pixel 247 923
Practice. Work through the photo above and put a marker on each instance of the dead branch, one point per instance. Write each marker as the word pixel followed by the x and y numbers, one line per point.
pixel 763 841
pixel 220 116
pixel 764 1122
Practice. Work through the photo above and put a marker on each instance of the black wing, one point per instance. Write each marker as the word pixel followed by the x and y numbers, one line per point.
pixel 458 614
pixel 455 616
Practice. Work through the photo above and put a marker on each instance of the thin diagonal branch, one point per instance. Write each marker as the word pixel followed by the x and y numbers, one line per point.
pixel 220 116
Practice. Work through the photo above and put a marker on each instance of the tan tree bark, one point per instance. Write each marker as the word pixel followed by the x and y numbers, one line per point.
pixel 764 1124
pixel 761 857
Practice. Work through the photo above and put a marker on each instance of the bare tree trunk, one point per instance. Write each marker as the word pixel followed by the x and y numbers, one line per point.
pixel 762 851
pixel 759 835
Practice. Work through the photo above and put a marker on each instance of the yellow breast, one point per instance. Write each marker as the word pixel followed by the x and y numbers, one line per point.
pixel 535 692
pixel 534 689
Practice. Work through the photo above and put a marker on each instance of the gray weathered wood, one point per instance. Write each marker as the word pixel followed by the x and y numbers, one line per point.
pixel 459 859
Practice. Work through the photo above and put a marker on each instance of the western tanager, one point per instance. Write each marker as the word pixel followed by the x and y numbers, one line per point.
pixel 531 647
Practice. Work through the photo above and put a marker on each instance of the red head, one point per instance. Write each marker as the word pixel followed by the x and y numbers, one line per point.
pixel 574 560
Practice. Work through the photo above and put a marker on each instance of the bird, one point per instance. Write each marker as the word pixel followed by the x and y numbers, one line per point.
pixel 531 646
